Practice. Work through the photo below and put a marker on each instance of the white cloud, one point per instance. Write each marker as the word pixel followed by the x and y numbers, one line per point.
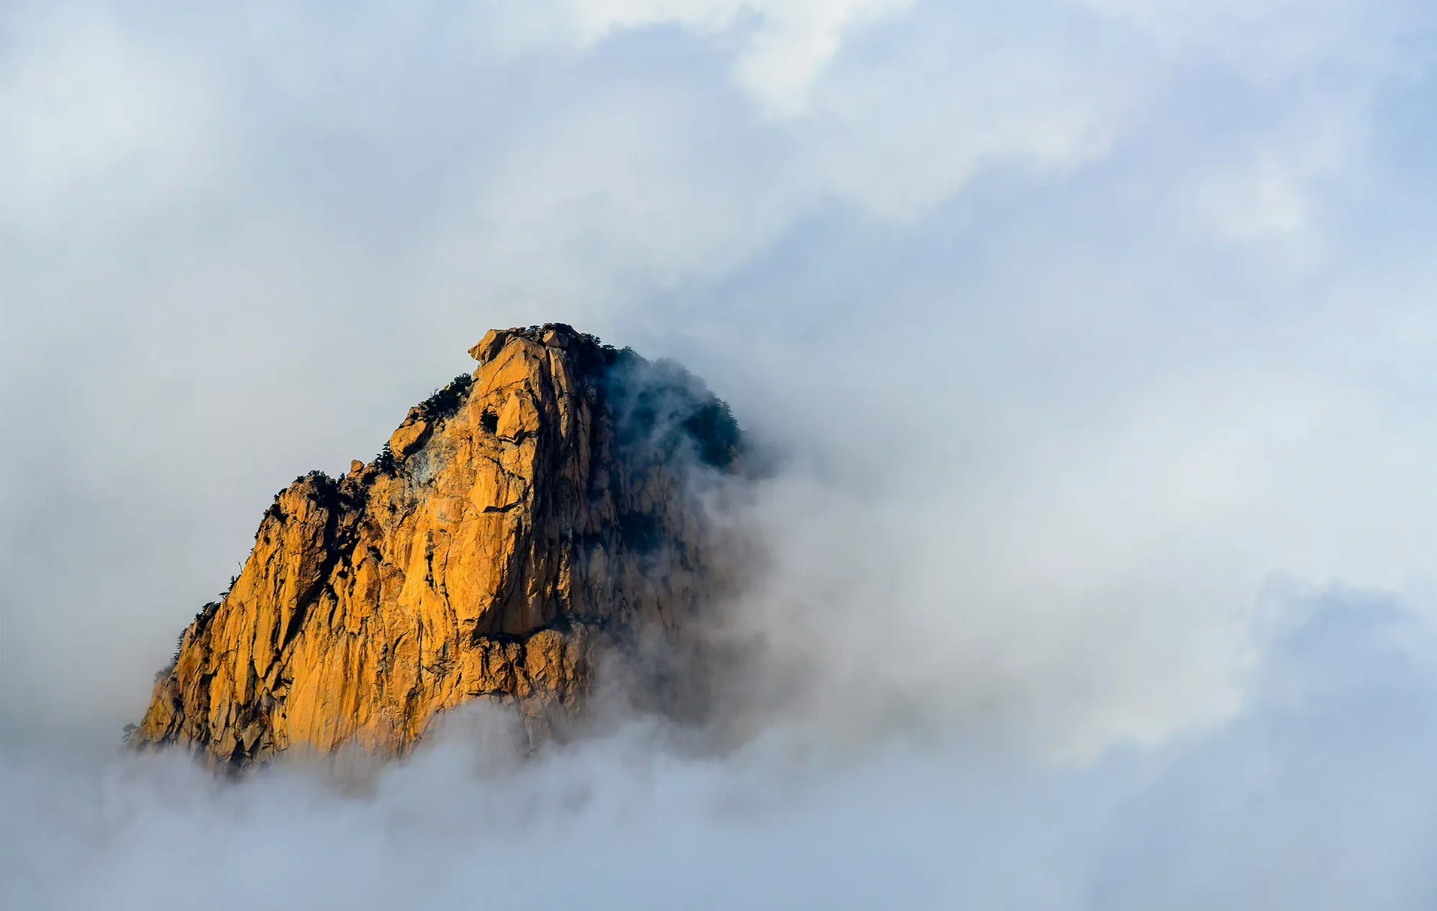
pixel 1097 334
pixel 1082 322
pixel 783 45
pixel 1248 817
pixel 900 132
pixel 93 119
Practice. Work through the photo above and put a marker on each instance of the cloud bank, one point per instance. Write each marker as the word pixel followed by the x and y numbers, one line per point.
pixel 1267 813
pixel 1098 338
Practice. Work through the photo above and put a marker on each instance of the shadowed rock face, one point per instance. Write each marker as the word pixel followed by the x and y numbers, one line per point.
pixel 517 527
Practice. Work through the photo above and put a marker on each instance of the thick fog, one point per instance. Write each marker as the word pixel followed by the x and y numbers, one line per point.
pixel 1097 340
pixel 1319 797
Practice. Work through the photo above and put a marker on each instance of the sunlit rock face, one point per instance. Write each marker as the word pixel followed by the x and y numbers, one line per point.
pixel 524 531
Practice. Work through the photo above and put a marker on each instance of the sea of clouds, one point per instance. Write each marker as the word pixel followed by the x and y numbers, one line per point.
pixel 1097 337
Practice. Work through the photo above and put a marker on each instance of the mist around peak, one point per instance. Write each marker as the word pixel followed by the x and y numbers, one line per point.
pixel 1088 346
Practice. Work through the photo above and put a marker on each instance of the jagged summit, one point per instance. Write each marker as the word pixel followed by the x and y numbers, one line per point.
pixel 519 524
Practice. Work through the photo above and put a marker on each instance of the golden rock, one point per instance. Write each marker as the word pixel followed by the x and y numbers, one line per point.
pixel 520 526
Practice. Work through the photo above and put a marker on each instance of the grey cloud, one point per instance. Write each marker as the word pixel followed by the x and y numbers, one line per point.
pixel 1074 322
pixel 1261 812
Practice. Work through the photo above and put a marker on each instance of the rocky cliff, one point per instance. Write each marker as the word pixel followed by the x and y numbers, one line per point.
pixel 522 530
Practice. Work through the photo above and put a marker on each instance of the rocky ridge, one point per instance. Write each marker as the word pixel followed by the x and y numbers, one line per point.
pixel 522 529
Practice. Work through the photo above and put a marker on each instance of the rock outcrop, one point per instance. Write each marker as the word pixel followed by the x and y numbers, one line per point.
pixel 520 529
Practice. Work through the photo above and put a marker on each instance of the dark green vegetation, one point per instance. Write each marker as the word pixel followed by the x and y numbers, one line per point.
pixel 660 405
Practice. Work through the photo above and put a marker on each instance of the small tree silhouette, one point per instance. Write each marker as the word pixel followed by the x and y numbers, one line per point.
pixel 385 460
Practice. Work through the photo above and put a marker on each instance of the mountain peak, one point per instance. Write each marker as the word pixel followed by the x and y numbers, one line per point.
pixel 523 528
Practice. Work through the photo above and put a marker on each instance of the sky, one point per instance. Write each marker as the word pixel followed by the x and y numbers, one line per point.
pixel 1099 338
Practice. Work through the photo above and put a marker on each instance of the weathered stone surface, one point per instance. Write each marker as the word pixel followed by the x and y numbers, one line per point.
pixel 519 525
